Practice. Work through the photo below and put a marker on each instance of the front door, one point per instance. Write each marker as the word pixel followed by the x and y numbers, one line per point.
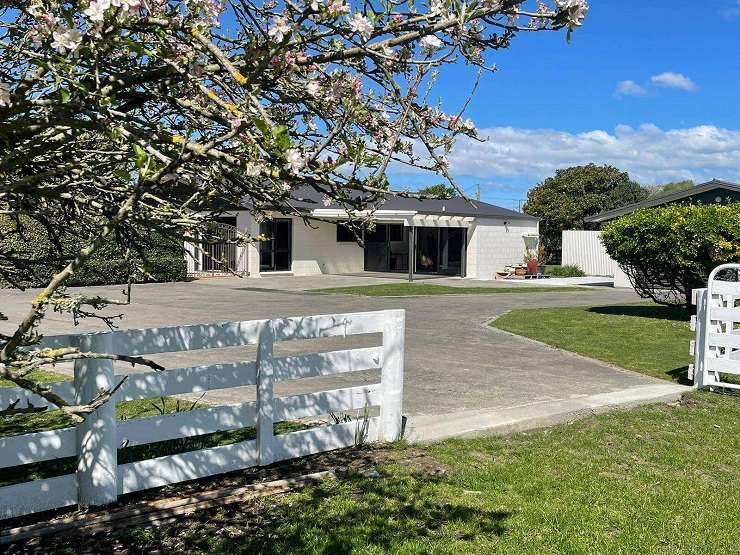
pixel 276 253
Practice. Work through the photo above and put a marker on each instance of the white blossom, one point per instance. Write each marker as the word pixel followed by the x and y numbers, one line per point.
pixel 129 5
pixel 326 200
pixel 96 10
pixel 5 95
pixel 313 88
pixel 361 24
pixel 315 4
pixel 65 39
pixel 576 11
pixel 294 160
pixel 279 30
pixel 253 170
pixel 430 43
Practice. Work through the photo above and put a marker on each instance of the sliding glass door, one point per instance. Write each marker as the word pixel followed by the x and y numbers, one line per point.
pixel 439 250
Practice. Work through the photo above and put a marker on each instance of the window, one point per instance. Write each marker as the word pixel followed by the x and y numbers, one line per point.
pixel 345 234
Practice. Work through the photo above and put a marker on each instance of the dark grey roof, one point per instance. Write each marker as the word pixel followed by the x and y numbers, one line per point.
pixel 663 199
pixel 307 198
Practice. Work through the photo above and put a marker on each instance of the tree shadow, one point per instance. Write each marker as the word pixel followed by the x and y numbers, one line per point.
pixel 680 375
pixel 353 513
pixel 658 312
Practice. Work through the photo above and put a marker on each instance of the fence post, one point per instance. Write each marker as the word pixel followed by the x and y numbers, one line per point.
pixel 97 456
pixel 265 437
pixel 699 343
pixel 392 375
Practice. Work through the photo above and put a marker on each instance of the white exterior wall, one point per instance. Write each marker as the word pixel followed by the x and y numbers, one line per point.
pixel 585 250
pixel 492 245
pixel 315 249
pixel 621 279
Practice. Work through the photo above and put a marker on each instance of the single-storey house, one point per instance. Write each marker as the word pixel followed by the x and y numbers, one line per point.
pixel 585 250
pixel 715 191
pixel 453 237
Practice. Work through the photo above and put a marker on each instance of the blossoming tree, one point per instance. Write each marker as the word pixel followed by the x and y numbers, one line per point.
pixel 138 116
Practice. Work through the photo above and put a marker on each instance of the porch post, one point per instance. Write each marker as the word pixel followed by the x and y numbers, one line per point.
pixel 412 251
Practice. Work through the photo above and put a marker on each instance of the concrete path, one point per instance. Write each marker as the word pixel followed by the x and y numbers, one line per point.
pixel 461 376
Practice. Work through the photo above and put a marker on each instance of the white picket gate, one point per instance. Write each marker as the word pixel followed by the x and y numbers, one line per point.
pixel 716 347
pixel 99 479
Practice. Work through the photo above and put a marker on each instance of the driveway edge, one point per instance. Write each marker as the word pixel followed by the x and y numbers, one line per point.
pixel 467 424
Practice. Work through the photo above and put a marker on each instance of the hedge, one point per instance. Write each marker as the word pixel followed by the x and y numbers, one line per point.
pixel 669 250
pixel 37 258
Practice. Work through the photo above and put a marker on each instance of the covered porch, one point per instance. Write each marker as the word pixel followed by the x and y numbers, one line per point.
pixel 414 245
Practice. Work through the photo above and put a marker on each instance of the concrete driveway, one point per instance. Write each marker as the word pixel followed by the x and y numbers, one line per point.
pixel 461 376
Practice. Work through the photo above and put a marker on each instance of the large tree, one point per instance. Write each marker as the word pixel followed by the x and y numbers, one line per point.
pixel 440 191
pixel 136 117
pixel 572 194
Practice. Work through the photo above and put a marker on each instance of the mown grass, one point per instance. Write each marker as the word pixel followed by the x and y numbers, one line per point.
pixel 405 289
pixel 658 479
pixel 648 338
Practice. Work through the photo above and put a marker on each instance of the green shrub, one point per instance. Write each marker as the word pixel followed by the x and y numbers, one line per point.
pixel 37 257
pixel 569 270
pixel 669 250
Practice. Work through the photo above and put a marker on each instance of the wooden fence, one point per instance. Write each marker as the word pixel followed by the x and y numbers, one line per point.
pixel 99 479
pixel 716 347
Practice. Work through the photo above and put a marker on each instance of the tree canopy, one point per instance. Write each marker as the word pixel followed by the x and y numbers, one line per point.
pixel 440 190
pixel 136 117
pixel 564 200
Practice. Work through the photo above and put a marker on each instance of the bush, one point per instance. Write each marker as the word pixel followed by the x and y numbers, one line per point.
pixel 37 257
pixel 569 270
pixel 669 250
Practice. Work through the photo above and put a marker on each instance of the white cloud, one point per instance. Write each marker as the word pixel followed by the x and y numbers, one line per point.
pixel 674 81
pixel 629 88
pixel 650 154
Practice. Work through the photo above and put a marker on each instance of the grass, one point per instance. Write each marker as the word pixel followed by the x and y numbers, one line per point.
pixel 658 479
pixel 42 376
pixel 648 338
pixel 405 289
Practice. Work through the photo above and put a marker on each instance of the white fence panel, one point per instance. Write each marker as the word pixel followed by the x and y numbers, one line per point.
pixel 585 250
pixel 716 347
pixel 99 479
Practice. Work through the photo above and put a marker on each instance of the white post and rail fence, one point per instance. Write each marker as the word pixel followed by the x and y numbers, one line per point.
pixel 99 479
pixel 716 347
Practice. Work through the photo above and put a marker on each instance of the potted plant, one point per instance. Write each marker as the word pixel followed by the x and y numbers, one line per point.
pixel 530 261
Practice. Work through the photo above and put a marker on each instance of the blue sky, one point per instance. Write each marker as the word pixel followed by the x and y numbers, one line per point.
pixel 553 104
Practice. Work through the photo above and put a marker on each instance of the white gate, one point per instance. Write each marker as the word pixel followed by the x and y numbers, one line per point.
pixel 226 255
pixel 99 479
pixel 716 348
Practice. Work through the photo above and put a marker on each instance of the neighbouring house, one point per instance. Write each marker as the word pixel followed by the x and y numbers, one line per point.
pixel 452 237
pixel 584 248
pixel 715 191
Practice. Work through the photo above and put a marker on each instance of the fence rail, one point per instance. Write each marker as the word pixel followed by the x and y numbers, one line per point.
pixel 716 347
pixel 99 479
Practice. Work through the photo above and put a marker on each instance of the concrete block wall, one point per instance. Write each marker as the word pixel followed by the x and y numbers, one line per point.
pixel 492 245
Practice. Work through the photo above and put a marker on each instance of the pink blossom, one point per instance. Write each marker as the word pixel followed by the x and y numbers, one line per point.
pixel 338 7
pixel 279 30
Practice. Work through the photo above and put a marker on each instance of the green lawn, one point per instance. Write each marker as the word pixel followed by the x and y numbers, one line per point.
pixel 647 338
pixel 405 289
pixel 658 479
